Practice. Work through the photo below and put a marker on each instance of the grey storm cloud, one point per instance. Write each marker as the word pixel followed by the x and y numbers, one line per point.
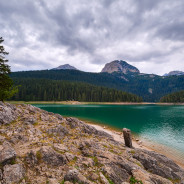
pixel 87 34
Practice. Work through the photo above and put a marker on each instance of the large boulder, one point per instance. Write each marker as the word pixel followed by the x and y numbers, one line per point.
pixel 85 128
pixel 7 153
pixel 7 113
pixel 13 173
pixel 159 164
pixel 75 176
pixel 51 157
pixel 147 178
pixel 29 119
pixel 59 130
pixel 115 173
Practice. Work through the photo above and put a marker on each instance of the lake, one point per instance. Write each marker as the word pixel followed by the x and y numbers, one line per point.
pixel 157 123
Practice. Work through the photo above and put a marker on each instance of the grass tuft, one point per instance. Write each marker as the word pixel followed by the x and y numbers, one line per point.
pixel 133 180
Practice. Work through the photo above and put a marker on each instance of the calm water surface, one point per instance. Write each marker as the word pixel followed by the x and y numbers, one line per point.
pixel 161 124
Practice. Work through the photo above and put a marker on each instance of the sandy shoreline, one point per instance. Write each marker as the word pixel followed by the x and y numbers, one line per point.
pixel 142 144
pixel 137 141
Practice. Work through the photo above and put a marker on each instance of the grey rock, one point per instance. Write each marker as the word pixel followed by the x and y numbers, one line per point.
pixel 86 161
pixel 44 117
pixel 13 173
pixel 115 173
pixel 31 158
pixel 53 181
pixel 59 130
pixel 120 66
pixel 2 138
pixel 59 116
pixel 32 109
pixel 85 128
pixel 18 138
pixel 159 180
pixel 159 164
pixel 7 113
pixel 51 157
pixel 60 147
pixel 1 174
pixel 93 177
pixel 7 153
pixel 73 122
pixel 29 120
pixel 125 164
pixel 85 147
pixel 103 179
pixel 69 156
pixel 75 176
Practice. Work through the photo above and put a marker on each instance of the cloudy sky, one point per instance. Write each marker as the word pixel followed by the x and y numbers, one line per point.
pixel 43 34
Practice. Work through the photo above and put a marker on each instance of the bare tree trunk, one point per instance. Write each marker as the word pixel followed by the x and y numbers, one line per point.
pixel 127 137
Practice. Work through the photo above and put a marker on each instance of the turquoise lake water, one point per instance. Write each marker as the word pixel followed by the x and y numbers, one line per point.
pixel 157 123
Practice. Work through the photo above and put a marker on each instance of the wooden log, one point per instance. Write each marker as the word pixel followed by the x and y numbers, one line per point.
pixel 127 137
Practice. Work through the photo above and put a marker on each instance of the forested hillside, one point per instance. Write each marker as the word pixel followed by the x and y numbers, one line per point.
pixel 150 87
pixel 101 79
pixel 177 97
pixel 55 90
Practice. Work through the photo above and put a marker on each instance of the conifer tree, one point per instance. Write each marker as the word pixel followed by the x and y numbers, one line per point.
pixel 6 89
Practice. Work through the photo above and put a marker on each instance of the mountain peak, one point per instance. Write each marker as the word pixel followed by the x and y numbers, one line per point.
pixel 176 72
pixel 119 66
pixel 65 67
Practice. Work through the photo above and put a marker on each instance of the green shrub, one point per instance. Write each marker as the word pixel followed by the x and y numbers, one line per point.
pixel 133 180
pixel 38 156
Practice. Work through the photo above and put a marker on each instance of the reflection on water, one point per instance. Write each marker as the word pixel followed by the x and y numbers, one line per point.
pixel 161 124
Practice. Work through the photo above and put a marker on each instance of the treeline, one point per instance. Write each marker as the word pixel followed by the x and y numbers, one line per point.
pixel 150 87
pixel 55 90
pixel 177 97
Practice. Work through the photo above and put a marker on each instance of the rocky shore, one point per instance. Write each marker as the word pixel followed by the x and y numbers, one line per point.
pixel 38 147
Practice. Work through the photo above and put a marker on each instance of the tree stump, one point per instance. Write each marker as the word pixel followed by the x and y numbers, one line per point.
pixel 127 137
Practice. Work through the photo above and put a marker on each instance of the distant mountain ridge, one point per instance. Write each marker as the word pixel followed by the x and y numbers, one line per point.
pixel 120 66
pixel 119 75
pixel 174 73
pixel 65 67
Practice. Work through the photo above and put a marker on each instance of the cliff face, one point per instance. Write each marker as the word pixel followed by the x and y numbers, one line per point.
pixel 120 66
pixel 42 147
